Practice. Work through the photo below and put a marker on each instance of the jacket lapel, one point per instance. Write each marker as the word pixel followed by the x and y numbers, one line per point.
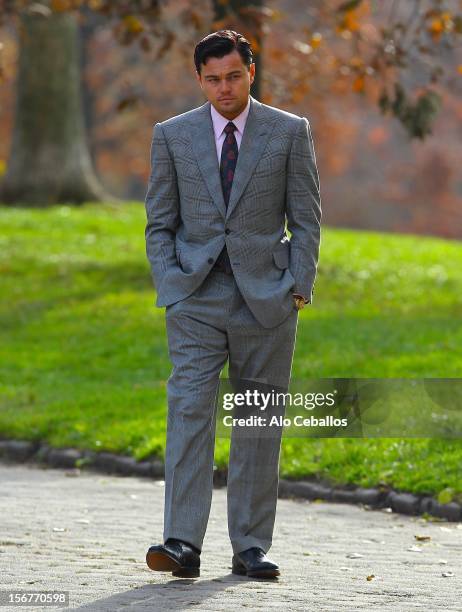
pixel 254 140
pixel 203 142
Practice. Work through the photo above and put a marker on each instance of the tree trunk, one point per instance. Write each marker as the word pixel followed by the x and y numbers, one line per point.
pixel 89 25
pixel 245 27
pixel 49 160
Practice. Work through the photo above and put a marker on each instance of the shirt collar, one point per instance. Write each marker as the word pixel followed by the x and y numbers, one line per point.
pixel 220 122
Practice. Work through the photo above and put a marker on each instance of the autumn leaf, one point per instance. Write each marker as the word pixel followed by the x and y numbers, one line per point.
pixel 356 61
pixel 196 19
pixel 316 40
pixel 219 24
pixel 133 24
pixel 254 43
pixel 277 54
pixel 350 22
pixel 127 102
pixel 358 84
pixel 436 28
pixel 59 6
pixel 299 92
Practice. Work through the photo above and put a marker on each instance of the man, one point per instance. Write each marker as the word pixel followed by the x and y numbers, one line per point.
pixel 224 178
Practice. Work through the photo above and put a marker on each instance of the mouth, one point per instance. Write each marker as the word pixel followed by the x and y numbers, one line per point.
pixel 226 99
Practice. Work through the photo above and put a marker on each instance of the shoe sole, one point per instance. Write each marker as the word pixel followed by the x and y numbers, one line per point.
pixel 268 573
pixel 161 562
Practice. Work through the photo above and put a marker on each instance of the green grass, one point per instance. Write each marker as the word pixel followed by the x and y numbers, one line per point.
pixel 84 360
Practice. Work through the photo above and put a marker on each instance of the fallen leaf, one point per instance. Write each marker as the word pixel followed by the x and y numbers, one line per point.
pixel 72 473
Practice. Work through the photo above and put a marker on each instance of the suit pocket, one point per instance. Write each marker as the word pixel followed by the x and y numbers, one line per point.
pixel 183 262
pixel 281 257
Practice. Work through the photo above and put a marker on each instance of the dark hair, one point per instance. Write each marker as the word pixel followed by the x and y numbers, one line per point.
pixel 221 43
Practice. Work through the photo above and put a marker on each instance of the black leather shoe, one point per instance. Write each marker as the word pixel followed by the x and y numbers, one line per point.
pixel 254 563
pixel 180 558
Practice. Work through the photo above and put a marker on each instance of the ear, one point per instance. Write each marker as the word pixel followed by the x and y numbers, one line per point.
pixel 252 72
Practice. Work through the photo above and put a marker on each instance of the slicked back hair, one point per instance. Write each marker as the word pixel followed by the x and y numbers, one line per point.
pixel 221 43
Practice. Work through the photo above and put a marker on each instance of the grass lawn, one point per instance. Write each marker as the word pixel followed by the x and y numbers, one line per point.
pixel 83 353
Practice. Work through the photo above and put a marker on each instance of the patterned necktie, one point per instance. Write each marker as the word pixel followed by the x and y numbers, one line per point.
pixel 229 153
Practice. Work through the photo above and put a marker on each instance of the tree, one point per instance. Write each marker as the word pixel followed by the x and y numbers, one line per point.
pixel 380 48
pixel 246 18
pixel 49 160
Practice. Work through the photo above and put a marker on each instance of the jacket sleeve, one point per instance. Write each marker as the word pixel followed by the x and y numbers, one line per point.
pixel 303 210
pixel 162 208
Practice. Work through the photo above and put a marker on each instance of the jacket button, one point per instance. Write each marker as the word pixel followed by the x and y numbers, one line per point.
pixel 227 231
pixel 210 260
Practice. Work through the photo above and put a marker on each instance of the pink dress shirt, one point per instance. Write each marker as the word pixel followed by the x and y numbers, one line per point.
pixel 220 122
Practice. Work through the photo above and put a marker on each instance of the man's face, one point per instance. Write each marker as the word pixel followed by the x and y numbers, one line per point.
pixel 226 83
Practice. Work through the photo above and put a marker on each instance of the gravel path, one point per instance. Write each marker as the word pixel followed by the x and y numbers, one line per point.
pixel 88 533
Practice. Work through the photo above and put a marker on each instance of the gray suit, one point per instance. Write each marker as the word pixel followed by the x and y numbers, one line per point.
pixel 248 317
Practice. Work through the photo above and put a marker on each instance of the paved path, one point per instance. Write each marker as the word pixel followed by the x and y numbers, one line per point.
pixel 88 534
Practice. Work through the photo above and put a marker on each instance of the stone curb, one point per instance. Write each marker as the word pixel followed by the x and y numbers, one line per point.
pixel 111 463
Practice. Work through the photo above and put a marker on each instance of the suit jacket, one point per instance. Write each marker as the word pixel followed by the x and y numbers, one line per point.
pixel 275 181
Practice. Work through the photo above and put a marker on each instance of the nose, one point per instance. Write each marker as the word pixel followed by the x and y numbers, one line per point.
pixel 224 87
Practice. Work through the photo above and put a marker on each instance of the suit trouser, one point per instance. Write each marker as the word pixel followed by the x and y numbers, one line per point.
pixel 205 329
